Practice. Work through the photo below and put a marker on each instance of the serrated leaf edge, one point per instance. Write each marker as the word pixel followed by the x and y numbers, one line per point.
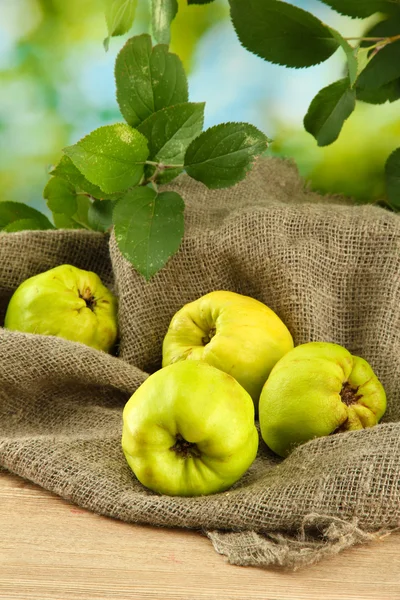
pixel 223 125
pixel 146 35
pixel 170 108
pixel 282 64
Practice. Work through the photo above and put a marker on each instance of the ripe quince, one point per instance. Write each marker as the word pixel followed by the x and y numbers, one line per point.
pixel 189 430
pixel 232 332
pixel 317 389
pixel 66 302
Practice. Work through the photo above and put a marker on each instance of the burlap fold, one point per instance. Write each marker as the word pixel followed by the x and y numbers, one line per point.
pixel 330 270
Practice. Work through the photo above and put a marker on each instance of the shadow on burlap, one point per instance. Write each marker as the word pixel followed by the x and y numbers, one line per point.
pixel 331 271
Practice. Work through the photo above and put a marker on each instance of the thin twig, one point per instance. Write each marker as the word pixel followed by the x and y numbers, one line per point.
pixel 366 39
pixel 385 40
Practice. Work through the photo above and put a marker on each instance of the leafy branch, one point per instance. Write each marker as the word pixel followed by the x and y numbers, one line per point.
pixel 286 35
pixel 111 177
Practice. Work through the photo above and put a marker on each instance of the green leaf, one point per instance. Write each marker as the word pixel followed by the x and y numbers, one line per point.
pixel 100 215
pixel 68 171
pixel 23 225
pixel 390 92
pixel 384 66
pixel 363 58
pixel 199 1
pixel 392 173
pixel 17 211
pixel 162 15
pixel 149 228
pixel 148 79
pixel 81 215
pixel 387 27
pixel 64 222
pixel 351 55
pixel 111 157
pixel 119 17
pixel 79 220
pixel 169 133
pixel 282 33
pixel 222 155
pixel 329 110
pixel 360 8
pixel 60 196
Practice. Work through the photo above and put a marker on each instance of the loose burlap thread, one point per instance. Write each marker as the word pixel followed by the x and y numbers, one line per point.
pixel 330 270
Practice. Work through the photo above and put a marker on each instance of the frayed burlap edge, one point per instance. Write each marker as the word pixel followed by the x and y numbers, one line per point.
pixel 252 549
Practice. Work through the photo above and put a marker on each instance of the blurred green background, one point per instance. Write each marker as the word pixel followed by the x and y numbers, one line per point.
pixel 57 85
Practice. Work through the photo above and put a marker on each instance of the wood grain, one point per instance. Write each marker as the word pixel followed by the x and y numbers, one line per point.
pixel 51 549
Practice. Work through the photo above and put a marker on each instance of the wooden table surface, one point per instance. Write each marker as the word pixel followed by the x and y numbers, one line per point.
pixel 51 549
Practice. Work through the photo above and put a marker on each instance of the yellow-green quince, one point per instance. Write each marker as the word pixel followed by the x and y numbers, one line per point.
pixel 66 302
pixel 189 430
pixel 317 389
pixel 232 332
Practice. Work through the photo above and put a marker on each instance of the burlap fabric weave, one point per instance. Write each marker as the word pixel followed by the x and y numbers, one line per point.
pixel 331 271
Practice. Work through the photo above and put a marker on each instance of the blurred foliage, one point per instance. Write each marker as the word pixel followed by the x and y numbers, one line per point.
pixel 190 24
pixel 354 164
pixel 58 83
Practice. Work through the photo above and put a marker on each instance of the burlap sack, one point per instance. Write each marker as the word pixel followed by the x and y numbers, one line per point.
pixel 330 271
